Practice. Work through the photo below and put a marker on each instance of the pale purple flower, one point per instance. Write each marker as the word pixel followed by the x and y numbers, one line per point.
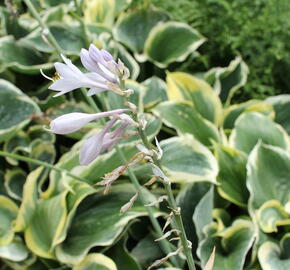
pixel 72 122
pixel 101 142
pixel 70 78
pixel 103 63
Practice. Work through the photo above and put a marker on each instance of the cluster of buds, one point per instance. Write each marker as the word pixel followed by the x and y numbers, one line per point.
pixel 105 74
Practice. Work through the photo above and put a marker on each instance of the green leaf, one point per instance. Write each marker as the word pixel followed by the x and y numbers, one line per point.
pixel 14 181
pixel 267 177
pixel 69 38
pixel 96 261
pixel 187 160
pixel 122 257
pixel 232 245
pixel 46 224
pixel 202 215
pixel 98 223
pixel 133 27
pixel 101 11
pixel 20 57
pixel 171 42
pixel 8 213
pixel 185 119
pixel 281 106
pixel 155 92
pixel 253 127
pixel 271 215
pixel 234 111
pixel 270 257
pixel 15 251
pixel 185 87
pixel 15 110
pixel 232 174
pixel 228 80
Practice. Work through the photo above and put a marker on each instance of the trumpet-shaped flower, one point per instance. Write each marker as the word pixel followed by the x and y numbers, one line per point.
pixel 101 142
pixel 70 78
pixel 72 122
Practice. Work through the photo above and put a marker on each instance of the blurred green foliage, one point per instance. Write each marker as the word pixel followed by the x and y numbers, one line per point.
pixel 258 30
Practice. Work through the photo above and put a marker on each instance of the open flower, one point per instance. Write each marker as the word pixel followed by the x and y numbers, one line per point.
pixel 70 78
pixel 101 142
pixel 72 122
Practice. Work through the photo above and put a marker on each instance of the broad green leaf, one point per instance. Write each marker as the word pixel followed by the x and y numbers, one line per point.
pixel 232 245
pixel 15 110
pixel 232 174
pixel 121 256
pixel 187 160
pixel 226 81
pixel 15 251
pixel 133 27
pixel 20 57
pixel 69 38
pixel 171 42
pixel 271 215
pixel 8 213
pixel 270 257
pixel 155 92
pixel 285 245
pixel 281 106
pixel 46 224
pixel 146 251
pixel 101 11
pixel 185 87
pixel 185 119
pixel 96 261
pixel 268 169
pixel 188 199
pixel 234 111
pixel 202 215
pixel 29 200
pixel 14 181
pixel 253 127
pixel 98 223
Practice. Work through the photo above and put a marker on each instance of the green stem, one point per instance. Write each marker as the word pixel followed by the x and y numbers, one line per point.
pixel 41 163
pixel 44 27
pixel 173 205
pixel 164 244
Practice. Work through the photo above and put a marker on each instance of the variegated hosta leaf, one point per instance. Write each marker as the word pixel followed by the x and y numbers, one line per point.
pixel 15 251
pixel 272 257
pixel 234 111
pixel 51 219
pixel 232 174
pixel 185 87
pixel 228 80
pixel 232 245
pixel 281 106
pixel 267 179
pixel 184 118
pixel 203 213
pixel 101 11
pixel 155 92
pixel 18 56
pixel 14 181
pixel 16 110
pixel 133 27
pixel 98 222
pixel 271 215
pixel 96 261
pixel 187 160
pixel 8 213
pixel 253 127
pixel 171 42
pixel 69 38
pixel 267 182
